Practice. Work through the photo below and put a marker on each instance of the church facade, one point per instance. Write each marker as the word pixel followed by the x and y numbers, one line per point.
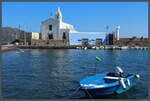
pixel 55 31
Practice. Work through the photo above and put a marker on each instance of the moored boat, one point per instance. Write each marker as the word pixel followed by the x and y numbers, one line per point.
pixel 108 83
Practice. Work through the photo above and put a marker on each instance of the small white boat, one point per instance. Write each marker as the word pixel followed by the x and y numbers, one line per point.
pixel 85 48
pixel 93 47
pixel 124 47
pixel 97 48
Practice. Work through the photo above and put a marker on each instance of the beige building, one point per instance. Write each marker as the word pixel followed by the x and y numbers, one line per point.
pixel 28 37
pixel 35 35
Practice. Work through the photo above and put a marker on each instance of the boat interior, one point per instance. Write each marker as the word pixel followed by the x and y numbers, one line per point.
pixel 124 75
pixel 113 77
pixel 104 78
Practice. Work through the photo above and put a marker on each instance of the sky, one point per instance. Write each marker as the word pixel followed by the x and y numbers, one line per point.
pixel 132 17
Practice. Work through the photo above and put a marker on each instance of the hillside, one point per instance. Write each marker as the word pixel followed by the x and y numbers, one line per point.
pixel 8 34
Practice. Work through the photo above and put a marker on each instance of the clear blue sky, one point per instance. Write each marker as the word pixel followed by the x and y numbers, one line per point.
pixel 84 16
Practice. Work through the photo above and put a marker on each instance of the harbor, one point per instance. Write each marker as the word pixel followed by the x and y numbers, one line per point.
pixel 52 36
pixel 89 50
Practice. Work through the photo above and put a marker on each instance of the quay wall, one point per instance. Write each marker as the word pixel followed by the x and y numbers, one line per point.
pixel 108 47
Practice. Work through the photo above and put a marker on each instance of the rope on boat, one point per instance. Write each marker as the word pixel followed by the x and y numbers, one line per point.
pixel 73 92
pixel 89 94
pixel 76 92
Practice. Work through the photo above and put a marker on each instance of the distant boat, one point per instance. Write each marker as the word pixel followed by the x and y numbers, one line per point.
pixel 109 47
pixel 21 50
pixel 108 83
pixel 101 47
pixel 97 48
pixel 124 47
pixel 94 47
pixel 85 48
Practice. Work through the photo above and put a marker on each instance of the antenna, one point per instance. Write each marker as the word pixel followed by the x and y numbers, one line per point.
pixel 19 31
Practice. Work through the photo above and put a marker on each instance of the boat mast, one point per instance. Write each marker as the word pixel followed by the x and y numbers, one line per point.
pixel 95 67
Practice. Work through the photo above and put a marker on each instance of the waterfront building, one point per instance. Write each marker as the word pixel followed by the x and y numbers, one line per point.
pixel 111 38
pixel 27 37
pixel 98 42
pixel 85 42
pixel 75 37
pixel 35 35
pixel 54 30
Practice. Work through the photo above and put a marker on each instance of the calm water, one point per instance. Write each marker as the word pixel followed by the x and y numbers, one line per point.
pixel 54 73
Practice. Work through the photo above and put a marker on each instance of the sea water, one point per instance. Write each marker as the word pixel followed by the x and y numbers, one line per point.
pixel 56 73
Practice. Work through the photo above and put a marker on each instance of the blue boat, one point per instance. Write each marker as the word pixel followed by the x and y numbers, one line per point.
pixel 108 83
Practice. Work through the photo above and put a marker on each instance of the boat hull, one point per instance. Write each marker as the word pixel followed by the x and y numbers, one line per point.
pixel 100 91
pixel 116 89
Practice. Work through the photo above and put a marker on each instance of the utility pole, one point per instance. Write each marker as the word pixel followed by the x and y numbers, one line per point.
pixel 24 36
pixel 107 27
pixel 16 35
pixel 19 32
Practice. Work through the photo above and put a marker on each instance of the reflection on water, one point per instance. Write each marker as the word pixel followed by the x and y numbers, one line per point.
pixel 55 73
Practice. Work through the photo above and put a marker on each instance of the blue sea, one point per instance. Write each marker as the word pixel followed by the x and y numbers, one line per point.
pixel 56 73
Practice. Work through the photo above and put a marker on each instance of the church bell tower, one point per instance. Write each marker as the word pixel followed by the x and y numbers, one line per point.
pixel 58 15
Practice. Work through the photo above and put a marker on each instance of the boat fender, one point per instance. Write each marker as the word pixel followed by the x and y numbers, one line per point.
pixel 128 81
pixel 137 75
pixel 122 83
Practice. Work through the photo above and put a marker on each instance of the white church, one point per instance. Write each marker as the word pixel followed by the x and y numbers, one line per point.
pixel 56 29
pixel 55 32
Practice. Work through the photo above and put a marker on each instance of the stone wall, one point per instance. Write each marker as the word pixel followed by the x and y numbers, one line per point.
pixel 37 42
pixel 58 43
pixel 50 43
pixel 132 42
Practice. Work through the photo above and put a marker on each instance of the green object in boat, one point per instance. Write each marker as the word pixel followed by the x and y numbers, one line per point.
pixel 98 59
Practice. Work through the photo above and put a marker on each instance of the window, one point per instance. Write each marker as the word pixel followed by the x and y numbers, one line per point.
pixel 50 27
pixel 64 35
pixel 50 36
